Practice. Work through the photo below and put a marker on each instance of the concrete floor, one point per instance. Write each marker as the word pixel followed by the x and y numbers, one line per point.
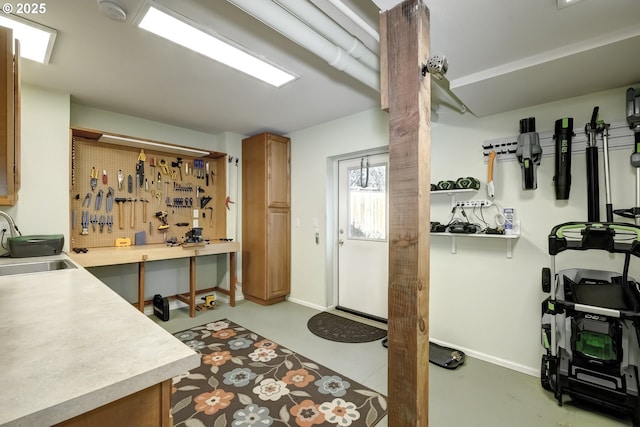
pixel 477 394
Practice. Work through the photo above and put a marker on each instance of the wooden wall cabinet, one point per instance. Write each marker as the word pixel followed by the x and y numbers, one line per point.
pixel 9 118
pixel 266 218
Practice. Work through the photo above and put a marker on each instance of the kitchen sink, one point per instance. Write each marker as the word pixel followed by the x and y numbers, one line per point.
pixel 35 267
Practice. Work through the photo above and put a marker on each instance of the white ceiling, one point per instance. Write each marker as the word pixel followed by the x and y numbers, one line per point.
pixel 502 55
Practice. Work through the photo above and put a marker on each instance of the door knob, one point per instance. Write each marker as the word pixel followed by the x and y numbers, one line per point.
pixel 340 242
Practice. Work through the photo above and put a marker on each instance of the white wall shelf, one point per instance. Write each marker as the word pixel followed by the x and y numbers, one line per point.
pixel 452 193
pixel 508 238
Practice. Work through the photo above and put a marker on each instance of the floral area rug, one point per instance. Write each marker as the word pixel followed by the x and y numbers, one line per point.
pixel 245 380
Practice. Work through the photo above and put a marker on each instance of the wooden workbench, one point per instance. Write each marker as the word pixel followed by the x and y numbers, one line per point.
pixel 97 257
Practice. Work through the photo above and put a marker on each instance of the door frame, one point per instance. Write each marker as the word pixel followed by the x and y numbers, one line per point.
pixel 331 272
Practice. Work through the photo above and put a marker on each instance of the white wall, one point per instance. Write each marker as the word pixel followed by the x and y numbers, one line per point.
pixel 311 150
pixel 480 301
pixel 43 200
pixel 94 118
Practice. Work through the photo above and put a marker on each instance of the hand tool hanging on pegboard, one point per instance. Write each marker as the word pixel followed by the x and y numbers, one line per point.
pixel 529 152
pixel 563 136
pixel 109 200
pixel 593 185
pixel 93 182
pixel 140 168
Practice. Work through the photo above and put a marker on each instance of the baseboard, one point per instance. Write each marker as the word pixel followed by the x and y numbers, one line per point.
pixel 472 353
pixel 307 304
pixel 491 359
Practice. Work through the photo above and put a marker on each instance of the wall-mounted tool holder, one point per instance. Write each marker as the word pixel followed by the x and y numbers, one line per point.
pixel 145 191
pixel 620 137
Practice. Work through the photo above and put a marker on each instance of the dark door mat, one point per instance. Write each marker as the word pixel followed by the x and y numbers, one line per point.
pixel 337 328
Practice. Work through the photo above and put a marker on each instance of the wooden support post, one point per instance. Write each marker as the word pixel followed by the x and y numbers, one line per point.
pixel 409 101
pixel 233 279
pixel 141 286
pixel 192 286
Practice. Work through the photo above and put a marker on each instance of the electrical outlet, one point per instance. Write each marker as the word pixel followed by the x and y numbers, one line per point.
pixel 473 203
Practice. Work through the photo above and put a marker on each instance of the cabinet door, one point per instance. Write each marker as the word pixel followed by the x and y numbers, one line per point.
pixel 278 172
pixel 278 256
pixel 7 119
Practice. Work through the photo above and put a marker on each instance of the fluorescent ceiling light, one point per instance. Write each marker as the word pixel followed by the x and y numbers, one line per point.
pixel 141 143
pixel 565 3
pixel 36 41
pixel 180 31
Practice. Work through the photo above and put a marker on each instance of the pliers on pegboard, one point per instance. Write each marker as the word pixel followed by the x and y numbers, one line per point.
pixel 99 200
pixel 93 220
pixel 109 200
pixel 87 200
pixel 85 223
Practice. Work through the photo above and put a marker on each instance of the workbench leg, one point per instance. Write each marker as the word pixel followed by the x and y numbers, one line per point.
pixel 192 286
pixel 141 286
pixel 232 279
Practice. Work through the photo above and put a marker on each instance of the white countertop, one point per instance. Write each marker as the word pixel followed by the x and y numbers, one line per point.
pixel 69 344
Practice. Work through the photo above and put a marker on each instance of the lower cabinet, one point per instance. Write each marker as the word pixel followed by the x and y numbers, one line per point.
pixel 150 407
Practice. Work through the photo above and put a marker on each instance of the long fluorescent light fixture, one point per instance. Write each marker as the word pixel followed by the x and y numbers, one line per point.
pixel 564 3
pixel 179 30
pixel 141 143
pixel 36 41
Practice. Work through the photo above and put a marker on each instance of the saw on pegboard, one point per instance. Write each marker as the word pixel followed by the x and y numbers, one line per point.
pixel 620 137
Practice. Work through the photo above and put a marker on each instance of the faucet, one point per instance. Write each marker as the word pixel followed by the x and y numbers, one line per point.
pixel 13 228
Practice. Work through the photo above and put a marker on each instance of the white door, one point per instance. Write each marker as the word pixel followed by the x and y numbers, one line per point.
pixel 363 249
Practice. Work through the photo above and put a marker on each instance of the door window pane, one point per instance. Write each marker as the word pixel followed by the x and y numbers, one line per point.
pixel 367 202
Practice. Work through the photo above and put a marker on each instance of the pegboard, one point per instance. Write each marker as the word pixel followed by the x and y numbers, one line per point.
pixel 111 209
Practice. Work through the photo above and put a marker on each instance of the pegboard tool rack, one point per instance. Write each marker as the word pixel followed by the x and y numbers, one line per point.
pixel 93 153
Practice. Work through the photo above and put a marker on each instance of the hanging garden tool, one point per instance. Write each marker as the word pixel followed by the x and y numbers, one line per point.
pixel 593 186
pixel 603 130
pixel 491 192
pixel 633 118
pixel 529 152
pixel 563 135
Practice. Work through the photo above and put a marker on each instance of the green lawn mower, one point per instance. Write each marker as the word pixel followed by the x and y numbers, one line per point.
pixel 590 320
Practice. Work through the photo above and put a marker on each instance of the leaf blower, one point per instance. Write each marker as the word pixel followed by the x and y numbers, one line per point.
pixel 563 136
pixel 529 152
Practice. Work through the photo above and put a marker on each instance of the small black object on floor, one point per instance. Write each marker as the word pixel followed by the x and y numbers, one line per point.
pixel 445 357
pixel 161 307
pixel 337 328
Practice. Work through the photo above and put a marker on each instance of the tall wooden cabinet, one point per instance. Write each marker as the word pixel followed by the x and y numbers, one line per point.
pixel 266 218
pixel 9 118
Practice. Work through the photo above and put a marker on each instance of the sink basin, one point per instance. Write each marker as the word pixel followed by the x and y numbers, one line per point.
pixel 35 267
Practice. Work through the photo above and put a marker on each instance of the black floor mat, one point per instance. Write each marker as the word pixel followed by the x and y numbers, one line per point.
pixel 445 357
